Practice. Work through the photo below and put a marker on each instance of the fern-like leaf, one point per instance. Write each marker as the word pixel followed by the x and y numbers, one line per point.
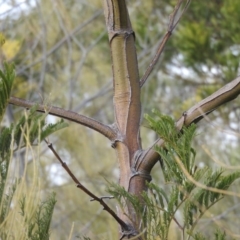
pixel 51 128
pixel 7 77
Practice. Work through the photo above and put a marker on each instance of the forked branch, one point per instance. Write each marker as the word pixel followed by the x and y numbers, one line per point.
pixel 173 21
pixel 105 130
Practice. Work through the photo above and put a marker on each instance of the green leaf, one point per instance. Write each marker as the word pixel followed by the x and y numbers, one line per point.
pixel 51 128
pixel 7 77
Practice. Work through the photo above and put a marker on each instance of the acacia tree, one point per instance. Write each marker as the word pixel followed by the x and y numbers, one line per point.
pixel 135 163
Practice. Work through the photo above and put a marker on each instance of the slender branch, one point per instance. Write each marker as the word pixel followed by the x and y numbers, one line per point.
pixel 176 9
pixel 225 94
pixel 88 192
pixel 105 130
pixel 171 26
pixel 156 57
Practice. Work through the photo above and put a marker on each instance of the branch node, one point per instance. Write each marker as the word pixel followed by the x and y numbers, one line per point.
pixel 130 232
pixel 142 173
pixel 102 198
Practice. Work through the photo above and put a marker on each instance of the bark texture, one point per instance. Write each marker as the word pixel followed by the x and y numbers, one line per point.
pixel 127 106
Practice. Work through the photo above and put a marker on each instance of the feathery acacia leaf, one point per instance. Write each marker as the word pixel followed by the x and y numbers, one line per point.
pixel 7 77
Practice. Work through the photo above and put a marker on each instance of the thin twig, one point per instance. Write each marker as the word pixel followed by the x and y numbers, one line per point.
pixel 104 197
pixel 88 192
pixel 171 26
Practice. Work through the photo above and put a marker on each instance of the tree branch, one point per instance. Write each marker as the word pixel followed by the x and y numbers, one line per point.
pixel 105 130
pixel 225 94
pixel 89 193
pixel 172 24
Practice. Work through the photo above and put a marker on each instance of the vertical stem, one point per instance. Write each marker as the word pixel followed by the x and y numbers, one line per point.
pixel 125 72
pixel 127 105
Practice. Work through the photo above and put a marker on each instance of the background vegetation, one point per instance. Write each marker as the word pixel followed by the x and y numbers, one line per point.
pixel 61 55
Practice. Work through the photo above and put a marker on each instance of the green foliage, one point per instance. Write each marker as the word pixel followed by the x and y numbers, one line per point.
pixel 33 125
pixel 35 226
pixel 209 36
pixel 122 196
pixel 218 235
pixel 2 39
pixel 6 81
pixel 39 224
pixel 213 22
pixel 181 194
pixel 30 129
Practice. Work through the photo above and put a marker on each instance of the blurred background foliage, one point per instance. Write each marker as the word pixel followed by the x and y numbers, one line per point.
pixel 62 57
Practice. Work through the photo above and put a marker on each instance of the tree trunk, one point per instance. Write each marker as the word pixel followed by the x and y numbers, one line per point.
pixel 127 105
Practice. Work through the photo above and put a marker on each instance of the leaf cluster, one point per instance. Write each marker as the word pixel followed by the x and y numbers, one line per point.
pixel 30 128
pixel 216 45
pixel 38 224
pixel 33 125
pixel 160 206
pixel 6 81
